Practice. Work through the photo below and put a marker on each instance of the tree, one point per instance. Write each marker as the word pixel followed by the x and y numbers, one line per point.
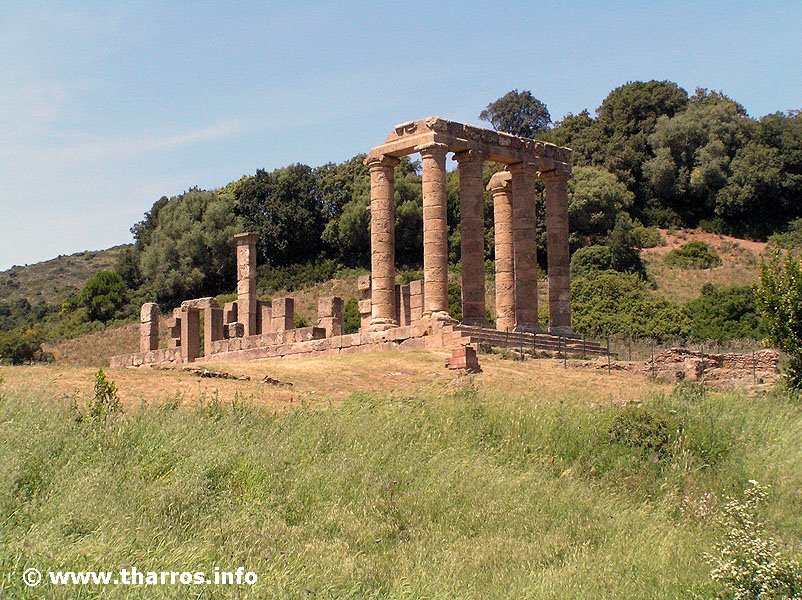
pixel 284 208
pixel 191 251
pixel 779 302
pixel 518 113
pixel 624 245
pixel 103 295
pixel 595 199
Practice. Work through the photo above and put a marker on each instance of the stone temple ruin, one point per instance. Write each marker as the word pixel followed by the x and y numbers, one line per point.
pixel 414 315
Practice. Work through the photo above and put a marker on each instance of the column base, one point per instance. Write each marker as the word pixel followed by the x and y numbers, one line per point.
pixel 564 330
pixel 382 324
pixel 475 322
pixel 525 328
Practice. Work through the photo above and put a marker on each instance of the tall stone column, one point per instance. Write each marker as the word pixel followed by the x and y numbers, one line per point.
pixel 246 281
pixel 501 189
pixel 382 241
pixel 557 245
pixel 525 243
pixel 472 236
pixel 435 231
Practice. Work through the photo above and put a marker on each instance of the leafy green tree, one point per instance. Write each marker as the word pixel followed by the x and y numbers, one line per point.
pixel 779 302
pixel 103 295
pixel 624 245
pixel 518 113
pixel 752 202
pixel 692 155
pixel 191 251
pixel 284 208
pixel 595 199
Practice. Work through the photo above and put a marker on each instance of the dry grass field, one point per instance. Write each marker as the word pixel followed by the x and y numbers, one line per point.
pixel 325 380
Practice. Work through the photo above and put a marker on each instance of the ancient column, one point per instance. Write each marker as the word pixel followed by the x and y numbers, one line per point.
pixel 505 274
pixel 525 244
pixel 472 236
pixel 435 231
pixel 382 241
pixel 557 246
pixel 246 281
pixel 149 327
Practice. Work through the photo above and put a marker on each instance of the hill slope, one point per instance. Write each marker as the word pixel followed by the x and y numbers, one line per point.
pixel 52 281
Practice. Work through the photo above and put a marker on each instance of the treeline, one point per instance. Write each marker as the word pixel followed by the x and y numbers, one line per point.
pixel 650 155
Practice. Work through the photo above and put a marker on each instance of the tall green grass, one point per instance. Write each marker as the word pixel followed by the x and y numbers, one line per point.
pixel 393 497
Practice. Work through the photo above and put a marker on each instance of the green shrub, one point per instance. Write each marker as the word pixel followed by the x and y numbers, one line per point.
pixel 105 399
pixel 750 564
pixel 693 255
pixel 295 276
pixel 103 295
pixel 779 301
pixel 651 430
pixel 590 259
pixel 351 318
pixel 724 313
pixel 301 321
pixel 790 239
pixel 19 347
pixel 611 303
pixel 648 237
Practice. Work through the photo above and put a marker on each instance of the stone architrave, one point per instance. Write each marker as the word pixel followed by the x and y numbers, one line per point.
pixel 435 230
pixel 501 188
pixel 149 327
pixel 283 314
pixel 558 252
pixel 524 246
pixel 472 230
pixel 382 241
pixel 246 280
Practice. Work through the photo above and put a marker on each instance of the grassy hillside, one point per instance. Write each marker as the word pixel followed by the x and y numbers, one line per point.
pixel 53 280
pixel 740 264
pixel 504 485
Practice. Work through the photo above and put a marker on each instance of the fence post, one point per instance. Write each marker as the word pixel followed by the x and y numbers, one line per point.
pixel 565 352
pixel 703 360
pixel 608 355
pixel 654 376
pixel 754 367
pixel 521 344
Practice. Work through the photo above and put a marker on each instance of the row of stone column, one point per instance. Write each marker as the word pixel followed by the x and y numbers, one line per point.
pixel 516 244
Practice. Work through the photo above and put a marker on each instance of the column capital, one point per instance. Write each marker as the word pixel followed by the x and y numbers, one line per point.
pixel 434 149
pixel 472 155
pixel 521 168
pixel 500 182
pixel 246 238
pixel 377 161
pixel 558 174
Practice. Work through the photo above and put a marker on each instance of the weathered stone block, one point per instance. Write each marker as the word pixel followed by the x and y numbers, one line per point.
pixel 263 316
pixel 149 312
pixel 235 330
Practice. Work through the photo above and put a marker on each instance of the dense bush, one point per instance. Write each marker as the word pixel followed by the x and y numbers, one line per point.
pixel 590 259
pixel 790 238
pixel 102 295
pixel 750 564
pixel 18 347
pixel 611 303
pixel 724 313
pixel 295 276
pixel 779 301
pixel 693 255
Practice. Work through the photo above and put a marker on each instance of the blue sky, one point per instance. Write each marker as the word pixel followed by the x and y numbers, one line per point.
pixel 105 107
